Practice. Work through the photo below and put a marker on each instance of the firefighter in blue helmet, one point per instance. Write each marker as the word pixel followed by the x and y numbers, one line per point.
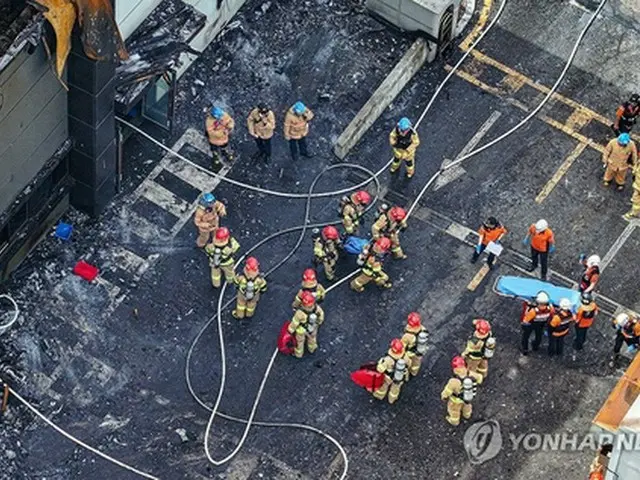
pixel 404 141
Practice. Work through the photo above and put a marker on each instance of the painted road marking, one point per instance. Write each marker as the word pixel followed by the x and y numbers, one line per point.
pixel 620 241
pixel 477 279
pixel 564 168
pixel 452 174
pixel 156 193
pixel 479 26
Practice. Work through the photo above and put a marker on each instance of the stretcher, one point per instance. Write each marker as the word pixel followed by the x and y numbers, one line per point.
pixel 527 289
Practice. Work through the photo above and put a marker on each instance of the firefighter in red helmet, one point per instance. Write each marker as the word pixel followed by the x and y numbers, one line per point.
pixel 415 339
pixel 309 284
pixel 305 323
pixel 326 246
pixel 459 392
pixel 479 349
pixel 352 208
pixel 394 367
pixel 221 252
pixel 250 284
pixel 371 260
pixel 389 223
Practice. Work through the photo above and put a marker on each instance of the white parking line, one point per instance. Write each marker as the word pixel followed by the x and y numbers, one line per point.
pixel 620 241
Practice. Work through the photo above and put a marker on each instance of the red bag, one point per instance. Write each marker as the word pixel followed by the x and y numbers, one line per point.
pixel 86 271
pixel 368 377
pixel 286 341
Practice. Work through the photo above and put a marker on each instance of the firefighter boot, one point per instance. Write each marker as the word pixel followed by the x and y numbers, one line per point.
pixel 394 392
pixel 251 307
pixel 382 280
pixel 312 341
pixel 395 165
pixel 301 335
pixel 329 270
pixel 483 368
pixel 381 392
pixel 416 363
pixel 359 282
pixel 411 168
pixel 454 407
pixel 241 307
pixel 229 273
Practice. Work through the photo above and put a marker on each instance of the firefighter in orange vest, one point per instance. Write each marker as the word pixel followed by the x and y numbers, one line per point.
pixel 219 126
pixel 326 245
pixel 627 332
pixel 394 366
pixel 559 327
pixel 371 260
pixel 536 317
pixel 415 340
pixel 207 218
pixel 404 141
pixel 542 241
pixel 305 323
pixel 250 285
pixel 459 392
pixel 585 316
pixel 351 210
pixel 221 253
pixel 309 284
pixel 389 223
pixel 490 231
pixel 626 115
pixel 591 274
pixel 479 349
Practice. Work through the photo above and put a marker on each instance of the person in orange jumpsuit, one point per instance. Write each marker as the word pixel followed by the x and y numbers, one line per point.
pixel 542 241
pixel 559 327
pixel 536 317
pixel 490 231
pixel 585 316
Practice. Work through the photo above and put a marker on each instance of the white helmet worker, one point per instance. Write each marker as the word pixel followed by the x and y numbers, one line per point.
pixel 593 261
pixel 565 304
pixel 621 320
pixel 542 297
pixel 541 225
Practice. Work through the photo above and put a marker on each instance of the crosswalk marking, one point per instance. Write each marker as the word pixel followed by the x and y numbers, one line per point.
pixel 190 174
pixel 156 193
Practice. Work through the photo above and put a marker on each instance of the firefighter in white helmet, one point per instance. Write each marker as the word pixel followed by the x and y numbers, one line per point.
pixel 559 326
pixel 591 275
pixel 459 392
pixel 537 315
pixel 627 332
pixel 394 366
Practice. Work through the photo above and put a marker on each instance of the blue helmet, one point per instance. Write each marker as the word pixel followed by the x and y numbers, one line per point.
pixel 624 139
pixel 217 113
pixel 404 124
pixel 299 108
pixel 208 199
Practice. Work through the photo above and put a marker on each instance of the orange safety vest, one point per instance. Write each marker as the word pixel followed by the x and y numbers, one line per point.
pixel 538 315
pixel 587 277
pixel 584 317
pixel 560 324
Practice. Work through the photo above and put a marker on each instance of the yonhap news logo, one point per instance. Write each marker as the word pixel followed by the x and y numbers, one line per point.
pixel 483 441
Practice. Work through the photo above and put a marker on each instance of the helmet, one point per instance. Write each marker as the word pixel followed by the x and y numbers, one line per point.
pixel 565 304
pixel 309 275
pixel 217 113
pixel 299 108
pixel 624 139
pixel 621 319
pixel 413 320
pixel 541 225
pixel 404 124
pixel 252 264
pixel 397 346
pixel 542 297
pixel 586 298
pixel 262 107
pixel 458 362
pixel 382 245
pixel 397 214
pixel 362 197
pixel 307 299
pixel 330 233
pixel 482 326
pixel 491 222
pixel 208 199
pixel 222 234
pixel 593 261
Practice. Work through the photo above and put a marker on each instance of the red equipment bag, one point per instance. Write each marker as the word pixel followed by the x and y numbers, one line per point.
pixel 286 341
pixel 86 271
pixel 368 377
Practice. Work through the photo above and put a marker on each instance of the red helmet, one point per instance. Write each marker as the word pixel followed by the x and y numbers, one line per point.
pixel 397 346
pixel 252 264
pixel 307 299
pixel 222 234
pixel 362 197
pixel 413 320
pixel 383 244
pixel 330 232
pixel 309 275
pixel 397 214
pixel 482 326
pixel 458 362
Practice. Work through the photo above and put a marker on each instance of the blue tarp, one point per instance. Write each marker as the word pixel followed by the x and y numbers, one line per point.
pixel 528 288
pixel 354 245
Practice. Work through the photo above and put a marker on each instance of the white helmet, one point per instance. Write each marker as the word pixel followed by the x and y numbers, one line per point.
pixel 593 261
pixel 541 225
pixel 621 319
pixel 565 304
pixel 542 297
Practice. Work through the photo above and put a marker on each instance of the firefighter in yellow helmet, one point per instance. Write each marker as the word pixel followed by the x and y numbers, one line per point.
pixel 371 260
pixel 352 208
pixel 479 349
pixel 221 253
pixel 389 224
pixel 415 339
pixel 207 218
pixel 305 323
pixel 404 140
pixel 309 284
pixel 250 284
pixel 394 367
pixel 325 250
pixel 459 392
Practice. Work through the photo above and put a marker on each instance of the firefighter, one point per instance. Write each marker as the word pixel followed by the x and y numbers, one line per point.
pixel 536 317
pixel 490 231
pixel 459 392
pixel 352 208
pixel 626 115
pixel 296 129
pixel 304 324
pixel 635 198
pixel 221 253
pixel 404 141
pixel 559 326
pixel 309 284
pixel 480 347
pixel 618 155
pixel 207 218
pixel 394 366
pixel 389 224
pixel 219 126
pixel 371 259
pixel 325 250
pixel 542 241
pixel 250 285
pixel 261 124
pixel 627 332
pixel 585 316
pixel 591 274
pixel 415 339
